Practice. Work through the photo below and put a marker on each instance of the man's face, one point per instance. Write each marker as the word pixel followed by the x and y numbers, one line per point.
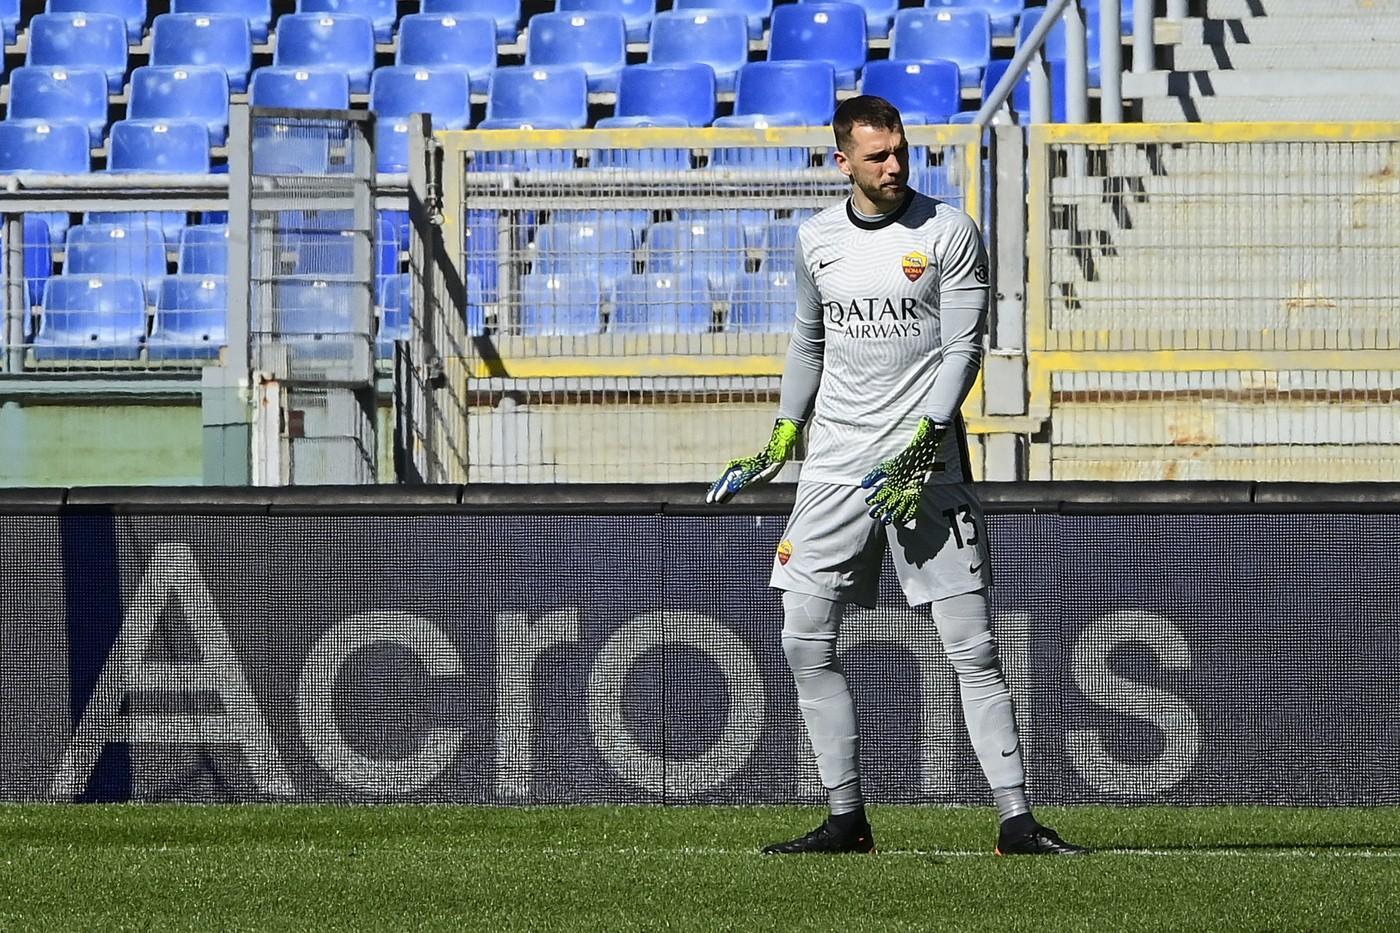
pixel 877 162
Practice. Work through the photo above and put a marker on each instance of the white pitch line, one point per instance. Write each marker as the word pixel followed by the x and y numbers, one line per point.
pixel 1300 852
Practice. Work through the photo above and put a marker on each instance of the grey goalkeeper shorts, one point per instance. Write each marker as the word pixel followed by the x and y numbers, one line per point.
pixel 832 548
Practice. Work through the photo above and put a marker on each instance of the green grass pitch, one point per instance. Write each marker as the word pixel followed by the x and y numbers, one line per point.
pixel 686 868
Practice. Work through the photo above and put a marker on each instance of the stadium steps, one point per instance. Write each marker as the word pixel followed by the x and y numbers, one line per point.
pixel 1252 60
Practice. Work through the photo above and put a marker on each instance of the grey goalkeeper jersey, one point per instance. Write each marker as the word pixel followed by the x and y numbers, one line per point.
pixel 890 318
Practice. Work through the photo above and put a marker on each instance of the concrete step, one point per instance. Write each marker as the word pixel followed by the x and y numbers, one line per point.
pixel 1365 163
pixel 1239 83
pixel 1299 9
pixel 1304 32
pixel 1347 56
pixel 1255 108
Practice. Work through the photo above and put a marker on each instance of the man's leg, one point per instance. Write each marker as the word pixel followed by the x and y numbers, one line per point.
pixel 810 627
pixel 966 631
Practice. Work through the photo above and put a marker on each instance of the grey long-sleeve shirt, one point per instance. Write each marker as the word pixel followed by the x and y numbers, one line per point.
pixel 890 318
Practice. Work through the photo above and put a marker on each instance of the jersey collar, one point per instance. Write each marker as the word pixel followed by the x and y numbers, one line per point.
pixel 885 219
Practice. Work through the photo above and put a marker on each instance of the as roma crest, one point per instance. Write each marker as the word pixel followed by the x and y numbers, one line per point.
pixel 914 265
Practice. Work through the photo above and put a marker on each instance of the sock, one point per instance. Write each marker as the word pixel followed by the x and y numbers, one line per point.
pixel 1010 801
pixel 1020 825
pixel 851 822
pixel 810 627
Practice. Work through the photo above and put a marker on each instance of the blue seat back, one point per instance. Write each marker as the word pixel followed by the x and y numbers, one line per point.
pixel 340 42
pixel 311 305
pixel 716 247
pixel 637 14
pixel 755 12
pixel 60 95
pixel 556 96
pixel 594 41
pixel 763 302
pixel 957 35
pixel 804 92
pixel 924 92
pixel 38 257
pixel 877 15
pixel 504 13
pixel 399 90
pixel 80 40
pixel 560 305
pixel 257 13
pixel 91 317
pixel 676 302
pixel 465 42
pixel 718 39
pixel 117 249
pixel 831 32
pixel 222 40
pixel 131 12
pixel 191 320
pixel 204 250
pixel 1001 14
pixel 382 14
pixel 1054 47
pixel 177 92
pixel 684 92
pixel 279 86
pixel 567 248
pixel 291 149
pixel 158 146
pixel 34 146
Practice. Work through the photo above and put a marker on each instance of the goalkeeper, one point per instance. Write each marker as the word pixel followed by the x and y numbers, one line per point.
pixel 891 311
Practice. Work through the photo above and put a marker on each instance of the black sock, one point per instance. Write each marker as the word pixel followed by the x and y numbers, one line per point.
pixel 1019 825
pixel 849 822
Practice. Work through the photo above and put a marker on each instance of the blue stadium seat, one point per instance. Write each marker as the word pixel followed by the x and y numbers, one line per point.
pixel 595 42
pixel 636 13
pixel 332 253
pixel 784 94
pixel 91 318
pixel 442 41
pixel 161 92
pixel 718 248
pixel 328 42
pixel 165 224
pixel 393 298
pixel 310 307
pixel 504 13
pixel 578 248
pixel 131 12
pixel 779 239
pixel 257 13
pixel 80 40
pixel 635 220
pixel 1021 93
pixel 382 14
pixel 158 146
pixel 1001 14
pixel 479 245
pixel 98 249
pixel 545 98
pixel 763 302
pixel 218 39
pixel 755 12
pixel 1054 47
pixel 664 158
pixel 924 92
pixel 275 86
pixel 38 257
pixel 554 305
pixel 821 32
pixel 191 318
pixel 291 149
pixel 9 20
pixel 396 91
pixel 476 306
pixel 877 15
pixel 663 303
pixel 35 146
pixel 718 39
pixel 664 95
pixel 204 250
pixel 956 35
pixel 59 94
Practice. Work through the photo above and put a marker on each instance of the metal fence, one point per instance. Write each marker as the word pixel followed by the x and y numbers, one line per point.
pixel 1214 301
pixel 629 292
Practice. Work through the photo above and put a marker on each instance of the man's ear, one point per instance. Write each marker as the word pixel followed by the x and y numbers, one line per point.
pixel 843 163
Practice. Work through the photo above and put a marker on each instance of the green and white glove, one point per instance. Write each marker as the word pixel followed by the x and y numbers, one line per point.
pixel 899 481
pixel 762 466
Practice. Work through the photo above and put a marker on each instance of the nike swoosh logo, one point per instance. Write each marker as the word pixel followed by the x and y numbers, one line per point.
pixel 1012 752
pixel 826 262
pixel 977 567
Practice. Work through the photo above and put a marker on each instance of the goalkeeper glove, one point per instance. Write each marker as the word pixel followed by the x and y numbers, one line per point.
pixel 899 481
pixel 760 468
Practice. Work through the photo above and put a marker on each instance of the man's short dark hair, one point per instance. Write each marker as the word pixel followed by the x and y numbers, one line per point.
pixel 867 110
